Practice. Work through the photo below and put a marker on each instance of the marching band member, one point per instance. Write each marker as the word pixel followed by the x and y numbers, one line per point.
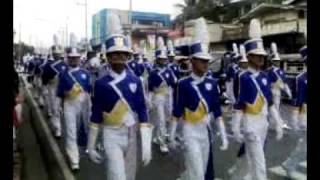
pixel 253 105
pixel 119 107
pixel 299 118
pixel 277 79
pixel 74 88
pixel 196 111
pixel 161 82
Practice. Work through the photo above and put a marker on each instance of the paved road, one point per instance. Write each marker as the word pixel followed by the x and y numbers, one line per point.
pixel 167 167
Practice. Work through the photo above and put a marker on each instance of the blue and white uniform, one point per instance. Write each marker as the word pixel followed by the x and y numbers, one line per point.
pixel 74 88
pixel 49 81
pixel 175 68
pixel 119 104
pixel 254 99
pixel 196 112
pixel 161 82
pixel 277 79
pixel 136 67
pixel 231 72
pixel 299 122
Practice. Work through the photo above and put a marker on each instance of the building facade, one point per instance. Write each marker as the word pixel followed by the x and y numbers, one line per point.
pixel 143 24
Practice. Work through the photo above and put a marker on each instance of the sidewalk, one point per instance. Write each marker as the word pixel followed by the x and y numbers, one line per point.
pixel 32 165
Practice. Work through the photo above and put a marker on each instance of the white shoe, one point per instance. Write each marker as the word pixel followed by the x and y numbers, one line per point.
pixel 75 167
pixel 57 134
pixel 285 126
pixel 288 171
pixel 164 148
pixel 155 140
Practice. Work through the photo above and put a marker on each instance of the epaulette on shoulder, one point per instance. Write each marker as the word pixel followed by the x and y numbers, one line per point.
pixel 243 74
pixel 183 79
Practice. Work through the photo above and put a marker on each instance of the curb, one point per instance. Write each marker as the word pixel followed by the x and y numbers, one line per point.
pixel 57 165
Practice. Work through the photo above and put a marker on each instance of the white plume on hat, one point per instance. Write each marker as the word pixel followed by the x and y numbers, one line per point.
pixel 274 48
pixel 274 51
pixel 243 53
pixel 170 45
pixel 114 24
pixel 73 45
pixel 201 35
pixel 235 48
pixel 103 48
pixel 255 29
pixel 73 40
pixel 55 40
pixel 201 31
pixel 128 37
pixel 142 47
pixel 89 47
pixel 160 43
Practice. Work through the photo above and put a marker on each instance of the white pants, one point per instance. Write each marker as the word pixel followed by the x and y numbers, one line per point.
pixel 162 113
pixel 276 101
pixel 54 106
pixel 241 168
pixel 196 152
pixel 255 133
pixel 75 112
pixel 120 145
pixel 229 91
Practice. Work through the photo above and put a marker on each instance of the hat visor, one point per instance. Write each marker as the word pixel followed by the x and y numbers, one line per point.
pixel 203 56
pixel 74 55
pixel 119 49
pixel 56 52
pixel 260 52
pixel 276 59
pixel 162 57
pixel 243 60
pixel 181 57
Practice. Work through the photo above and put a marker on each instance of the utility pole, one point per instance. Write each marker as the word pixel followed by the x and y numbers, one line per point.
pixel 130 17
pixel 66 33
pixel 86 20
pixel 20 47
pixel 86 14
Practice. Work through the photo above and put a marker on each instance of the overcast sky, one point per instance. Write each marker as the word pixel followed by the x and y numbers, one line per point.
pixel 40 19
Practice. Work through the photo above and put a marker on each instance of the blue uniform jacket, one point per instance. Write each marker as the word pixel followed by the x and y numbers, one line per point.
pixel 157 76
pixel 48 73
pixel 194 101
pixel 276 76
pixel 232 69
pixel 72 82
pixel 249 97
pixel 112 98
pixel 135 67
pixel 60 66
pixel 299 90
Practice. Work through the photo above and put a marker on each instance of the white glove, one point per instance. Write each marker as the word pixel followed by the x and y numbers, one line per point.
pixel 172 134
pixel 279 131
pixel 93 154
pixel 278 121
pixel 235 125
pixel 288 91
pixel 146 136
pixel 295 119
pixel 223 134
pixel 149 100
